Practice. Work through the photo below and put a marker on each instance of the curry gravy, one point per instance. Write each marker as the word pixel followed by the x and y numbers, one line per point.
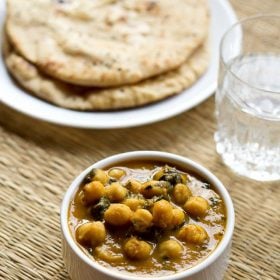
pixel 111 254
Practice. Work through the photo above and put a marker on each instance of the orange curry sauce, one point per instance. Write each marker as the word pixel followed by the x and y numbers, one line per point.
pixel 111 255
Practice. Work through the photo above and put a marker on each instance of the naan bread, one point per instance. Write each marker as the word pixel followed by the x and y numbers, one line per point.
pixel 106 42
pixel 83 98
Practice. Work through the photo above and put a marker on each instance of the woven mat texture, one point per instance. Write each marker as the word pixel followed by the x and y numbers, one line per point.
pixel 39 160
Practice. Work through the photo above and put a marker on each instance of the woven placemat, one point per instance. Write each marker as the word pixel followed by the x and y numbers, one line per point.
pixel 39 160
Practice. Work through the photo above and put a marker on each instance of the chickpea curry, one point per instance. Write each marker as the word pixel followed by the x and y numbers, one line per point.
pixel 146 218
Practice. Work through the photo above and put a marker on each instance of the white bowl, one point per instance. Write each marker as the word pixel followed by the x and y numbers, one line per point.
pixel 81 267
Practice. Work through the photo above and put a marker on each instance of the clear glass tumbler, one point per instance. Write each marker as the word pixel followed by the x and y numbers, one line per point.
pixel 248 98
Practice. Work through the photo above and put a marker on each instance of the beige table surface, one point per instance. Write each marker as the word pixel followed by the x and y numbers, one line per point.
pixel 39 160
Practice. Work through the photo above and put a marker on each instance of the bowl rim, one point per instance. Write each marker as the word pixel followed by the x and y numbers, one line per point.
pixel 157 156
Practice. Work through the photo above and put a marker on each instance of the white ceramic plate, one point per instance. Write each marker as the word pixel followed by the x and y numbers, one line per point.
pixel 222 16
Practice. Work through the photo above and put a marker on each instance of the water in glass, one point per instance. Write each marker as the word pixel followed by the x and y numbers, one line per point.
pixel 248 115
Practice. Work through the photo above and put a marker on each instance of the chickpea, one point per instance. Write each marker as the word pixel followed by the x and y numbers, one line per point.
pixel 81 197
pixel 178 217
pixel 196 206
pixel 162 214
pixel 93 191
pixel 153 188
pixel 137 250
pixel 118 214
pixel 141 219
pixel 116 192
pixel 108 256
pixel 170 175
pixel 91 233
pixel 134 186
pixel 98 175
pixel 159 174
pixel 134 203
pixel 193 234
pixel 181 193
pixel 116 173
pixel 170 249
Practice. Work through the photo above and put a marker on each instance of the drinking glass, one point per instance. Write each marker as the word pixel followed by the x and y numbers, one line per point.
pixel 248 98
